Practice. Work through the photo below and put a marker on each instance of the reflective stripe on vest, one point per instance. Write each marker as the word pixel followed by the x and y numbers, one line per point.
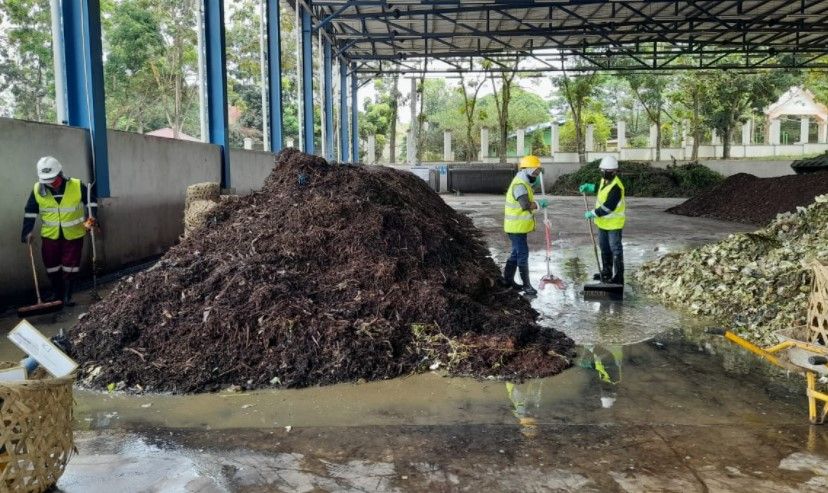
pixel 66 216
pixel 615 219
pixel 515 219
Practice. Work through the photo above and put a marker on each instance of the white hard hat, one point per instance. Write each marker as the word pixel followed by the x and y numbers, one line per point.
pixel 48 168
pixel 609 163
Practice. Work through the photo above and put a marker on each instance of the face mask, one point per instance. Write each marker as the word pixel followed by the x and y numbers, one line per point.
pixel 607 174
pixel 532 179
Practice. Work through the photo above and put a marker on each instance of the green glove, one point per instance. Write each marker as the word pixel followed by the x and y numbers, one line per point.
pixel 543 203
pixel 587 188
pixel 589 215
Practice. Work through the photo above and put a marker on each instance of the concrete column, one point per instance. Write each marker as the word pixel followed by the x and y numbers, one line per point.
pixel 823 132
pixel 521 143
pixel 653 135
pixel 622 134
pixel 685 127
pixel 775 131
pixel 714 138
pixel 447 155
pixel 803 130
pixel 555 137
pixel 746 131
pixel 371 150
pixel 248 143
pixel 411 148
pixel 589 141
pixel 484 143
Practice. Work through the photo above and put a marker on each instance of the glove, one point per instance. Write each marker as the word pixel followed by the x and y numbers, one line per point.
pixel 587 188
pixel 543 203
pixel 90 223
pixel 589 215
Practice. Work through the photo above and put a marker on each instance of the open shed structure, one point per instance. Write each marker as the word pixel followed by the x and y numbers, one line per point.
pixel 365 38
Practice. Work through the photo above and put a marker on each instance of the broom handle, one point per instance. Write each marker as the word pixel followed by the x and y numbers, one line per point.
pixel 34 274
pixel 591 233
pixel 92 233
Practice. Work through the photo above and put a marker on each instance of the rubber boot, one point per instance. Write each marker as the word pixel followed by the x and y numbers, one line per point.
pixel 67 293
pixel 618 262
pixel 508 280
pixel 606 269
pixel 56 280
pixel 527 288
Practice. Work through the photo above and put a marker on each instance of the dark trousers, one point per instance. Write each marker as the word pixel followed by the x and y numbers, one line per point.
pixel 520 249
pixel 62 259
pixel 610 242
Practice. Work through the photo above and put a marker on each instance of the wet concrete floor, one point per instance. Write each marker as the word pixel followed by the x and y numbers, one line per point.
pixel 676 411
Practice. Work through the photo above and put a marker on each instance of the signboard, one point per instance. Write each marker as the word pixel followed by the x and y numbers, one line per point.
pixel 36 345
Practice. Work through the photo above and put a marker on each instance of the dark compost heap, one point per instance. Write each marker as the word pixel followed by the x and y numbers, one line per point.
pixel 329 274
pixel 747 199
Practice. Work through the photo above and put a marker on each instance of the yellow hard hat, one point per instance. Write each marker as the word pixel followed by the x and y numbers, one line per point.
pixel 529 161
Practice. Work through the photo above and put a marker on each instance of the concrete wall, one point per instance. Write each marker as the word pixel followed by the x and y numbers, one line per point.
pixel 22 144
pixel 148 178
pixel 248 169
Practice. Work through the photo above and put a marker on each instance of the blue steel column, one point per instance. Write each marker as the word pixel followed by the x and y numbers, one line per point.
pixel 274 66
pixel 307 79
pixel 327 87
pixel 217 83
pixel 84 82
pixel 354 115
pixel 343 111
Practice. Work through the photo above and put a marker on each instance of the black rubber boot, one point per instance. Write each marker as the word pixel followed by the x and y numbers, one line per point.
pixel 508 280
pixel 67 293
pixel 527 288
pixel 618 262
pixel 606 269
pixel 57 287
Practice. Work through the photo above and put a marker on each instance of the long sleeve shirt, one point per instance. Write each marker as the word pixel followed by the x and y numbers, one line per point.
pixel 521 193
pixel 613 199
pixel 32 210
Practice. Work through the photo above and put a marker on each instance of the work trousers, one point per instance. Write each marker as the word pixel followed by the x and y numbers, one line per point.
pixel 62 259
pixel 610 242
pixel 520 249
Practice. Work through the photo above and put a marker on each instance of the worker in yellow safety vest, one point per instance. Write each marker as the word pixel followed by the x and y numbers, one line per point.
pixel 519 221
pixel 62 204
pixel 609 216
pixel 606 361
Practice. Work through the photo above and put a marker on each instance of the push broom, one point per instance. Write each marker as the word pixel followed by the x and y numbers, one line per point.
pixel 40 307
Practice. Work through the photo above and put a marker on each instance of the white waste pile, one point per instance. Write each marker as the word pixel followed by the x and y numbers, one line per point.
pixel 753 283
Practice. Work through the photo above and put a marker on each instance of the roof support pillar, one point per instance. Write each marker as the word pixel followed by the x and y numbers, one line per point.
pixel 274 79
pixel 343 112
pixel 306 64
pixel 84 82
pixel 217 83
pixel 327 96
pixel 354 114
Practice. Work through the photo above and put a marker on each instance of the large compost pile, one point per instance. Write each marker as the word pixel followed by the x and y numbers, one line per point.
pixel 329 274
pixel 756 283
pixel 642 180
pixel 747 199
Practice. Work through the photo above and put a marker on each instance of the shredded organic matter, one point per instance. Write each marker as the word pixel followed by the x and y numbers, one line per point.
pixel 329 274
pixel 747 199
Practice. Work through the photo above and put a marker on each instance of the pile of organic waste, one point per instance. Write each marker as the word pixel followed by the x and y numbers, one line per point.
pixel 757 282
pixel 331 273
pixel 643 180
pixel 747 199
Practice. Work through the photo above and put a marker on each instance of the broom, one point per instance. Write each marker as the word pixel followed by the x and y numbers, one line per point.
pixel 40 307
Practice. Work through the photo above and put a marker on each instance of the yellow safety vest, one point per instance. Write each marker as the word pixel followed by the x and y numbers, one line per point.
pixel 515 219
pixel 603 374
pixel 68 215
pixel 615 219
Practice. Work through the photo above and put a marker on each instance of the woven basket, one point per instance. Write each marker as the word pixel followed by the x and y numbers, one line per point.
pixel 818 306
pixel 35 432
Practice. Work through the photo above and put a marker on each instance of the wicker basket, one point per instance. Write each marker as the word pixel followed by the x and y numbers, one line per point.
pixel 35 432
pixel 818 306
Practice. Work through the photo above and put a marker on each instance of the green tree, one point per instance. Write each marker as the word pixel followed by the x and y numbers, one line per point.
pixel 591 116
pixel 817 82
pixel 687 95
pixel 26 70
pixel 732 95
pixel 502 100
pixel 649 90
pixel 579 92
